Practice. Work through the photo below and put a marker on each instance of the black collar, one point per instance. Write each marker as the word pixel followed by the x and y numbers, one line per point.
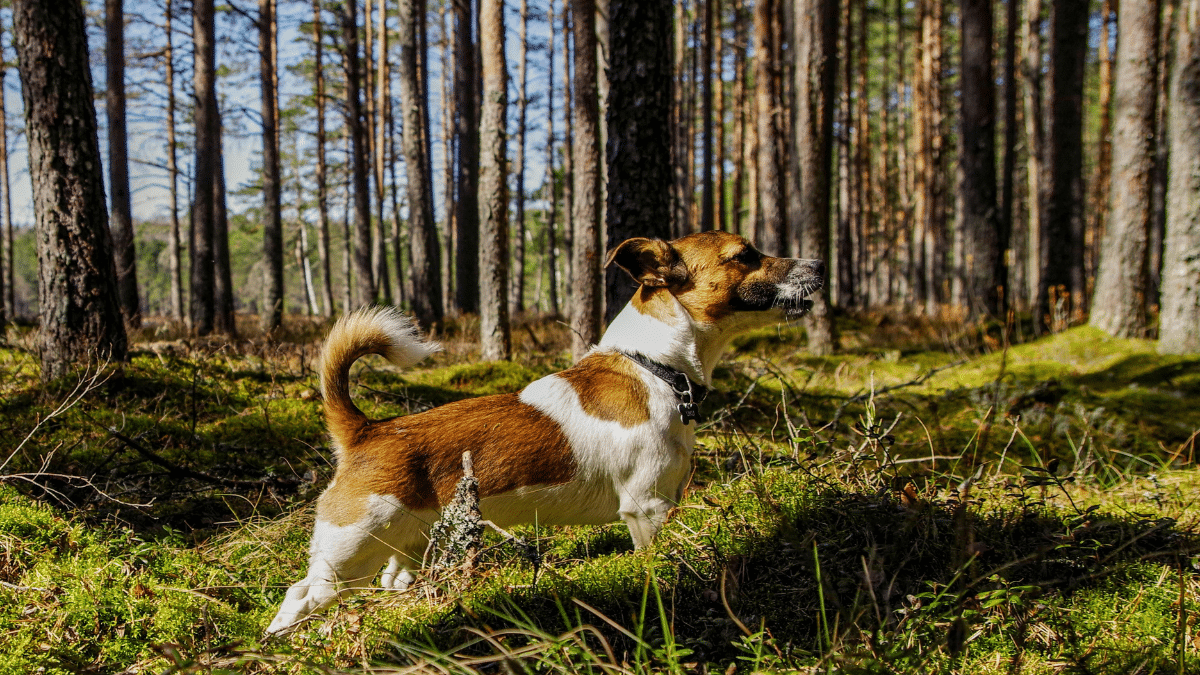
pixel 689 394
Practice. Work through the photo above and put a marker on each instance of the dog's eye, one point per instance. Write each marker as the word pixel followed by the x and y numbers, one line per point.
pixel 747 256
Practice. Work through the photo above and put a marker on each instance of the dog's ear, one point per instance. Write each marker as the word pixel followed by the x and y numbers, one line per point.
pixel 651 262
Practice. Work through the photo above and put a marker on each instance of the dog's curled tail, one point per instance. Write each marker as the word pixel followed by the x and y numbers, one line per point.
pixel 371 330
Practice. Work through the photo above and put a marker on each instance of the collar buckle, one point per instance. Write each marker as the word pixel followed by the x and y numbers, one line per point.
pixel 689 394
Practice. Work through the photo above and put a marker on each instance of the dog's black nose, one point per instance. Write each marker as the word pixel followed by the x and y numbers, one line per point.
pixel 814 268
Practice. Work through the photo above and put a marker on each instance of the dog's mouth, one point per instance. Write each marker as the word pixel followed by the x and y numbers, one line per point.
pixel 798 309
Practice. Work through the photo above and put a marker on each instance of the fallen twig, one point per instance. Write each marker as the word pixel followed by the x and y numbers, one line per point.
pixel 184 472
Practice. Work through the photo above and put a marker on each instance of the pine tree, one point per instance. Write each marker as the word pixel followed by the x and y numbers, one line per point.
pixel 77 279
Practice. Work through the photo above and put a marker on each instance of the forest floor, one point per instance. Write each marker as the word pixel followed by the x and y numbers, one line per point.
pixel 932 498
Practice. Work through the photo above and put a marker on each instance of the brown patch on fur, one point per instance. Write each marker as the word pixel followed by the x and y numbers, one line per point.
pixel 610 388
pixel 418 458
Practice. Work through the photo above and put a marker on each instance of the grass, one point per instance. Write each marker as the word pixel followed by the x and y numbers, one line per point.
pixel 926 500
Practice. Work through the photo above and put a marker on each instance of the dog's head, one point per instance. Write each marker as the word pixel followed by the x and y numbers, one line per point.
pixel 718 277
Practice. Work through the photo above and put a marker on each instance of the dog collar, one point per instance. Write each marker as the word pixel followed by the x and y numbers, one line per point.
pixel 689 394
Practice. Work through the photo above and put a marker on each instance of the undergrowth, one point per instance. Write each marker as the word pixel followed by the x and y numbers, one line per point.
pixel 923 501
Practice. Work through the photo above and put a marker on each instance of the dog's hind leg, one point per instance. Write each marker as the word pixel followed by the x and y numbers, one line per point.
pixel 407 550
pixel 345 558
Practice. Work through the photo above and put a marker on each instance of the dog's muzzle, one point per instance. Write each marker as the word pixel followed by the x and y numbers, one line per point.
pixel 805 278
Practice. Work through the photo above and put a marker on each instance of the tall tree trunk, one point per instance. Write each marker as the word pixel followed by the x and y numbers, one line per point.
pixel 202 305
pixel 720 151
pixel 815 43
pixel 550 192
pixel 587 282
pixel 1062 231
pixel 1179 330
pixel 1162 159
pixel 271 316
pixel 364 268
pixel 467 133
pixel 449 114
pixel 639 127
pixel 303 261
pixel 706 119
pixel 423 241
pixel 174 245
pixel 681 184
pixel 933 226
pixel 1004 226
pixel 862 164
pixel 120 215
pixel 1122 282
pixel 981 272
pixel 737 187
pixel 568 154
pixel 347 238
pixel 844 249
pixel 223 302
pixel 771 237
pixel 904 173
pixel 1099 186
pixel 494 332
pixel 323 250
pixel 382 110
pixel 7 274
pixel 1034 146
pixel 518 272
pixel 77 279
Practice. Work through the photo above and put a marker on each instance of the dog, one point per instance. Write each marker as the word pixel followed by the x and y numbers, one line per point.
pixel 610 438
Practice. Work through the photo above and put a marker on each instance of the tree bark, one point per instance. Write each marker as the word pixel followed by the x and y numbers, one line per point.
pixel 588 293
pixel 323 250
pixel 467 215
pixel 1004 225
pixel 271 316
pixel 639 128
pixel 174 244
pixel 423 239
pixel 449 115
pixel 494 331
pixel 517 295
pixel 121 214
pixel 364 270
pixel 568 156
pixel 771 235
pixel 738 179
pixel 981 265
pixel 1162 159
pixel 1062 232
pixel 815 43
pixel 381 110
pixel 202 305
pixel 1099 187
pixel 223 301
pixel 1122 282
pixel 706 119
pixel 681 184
pixel 550 192
pixel 844 248
pixel 77 280
pixel 1179 328
pixel 1034 146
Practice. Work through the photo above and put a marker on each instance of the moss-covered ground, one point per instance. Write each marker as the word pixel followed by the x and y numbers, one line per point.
pixel 928 499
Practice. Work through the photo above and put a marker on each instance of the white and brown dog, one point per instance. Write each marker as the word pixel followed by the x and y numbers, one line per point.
pixel 608 438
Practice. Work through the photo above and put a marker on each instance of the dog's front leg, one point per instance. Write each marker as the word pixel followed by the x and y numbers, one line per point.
pixel 644 515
